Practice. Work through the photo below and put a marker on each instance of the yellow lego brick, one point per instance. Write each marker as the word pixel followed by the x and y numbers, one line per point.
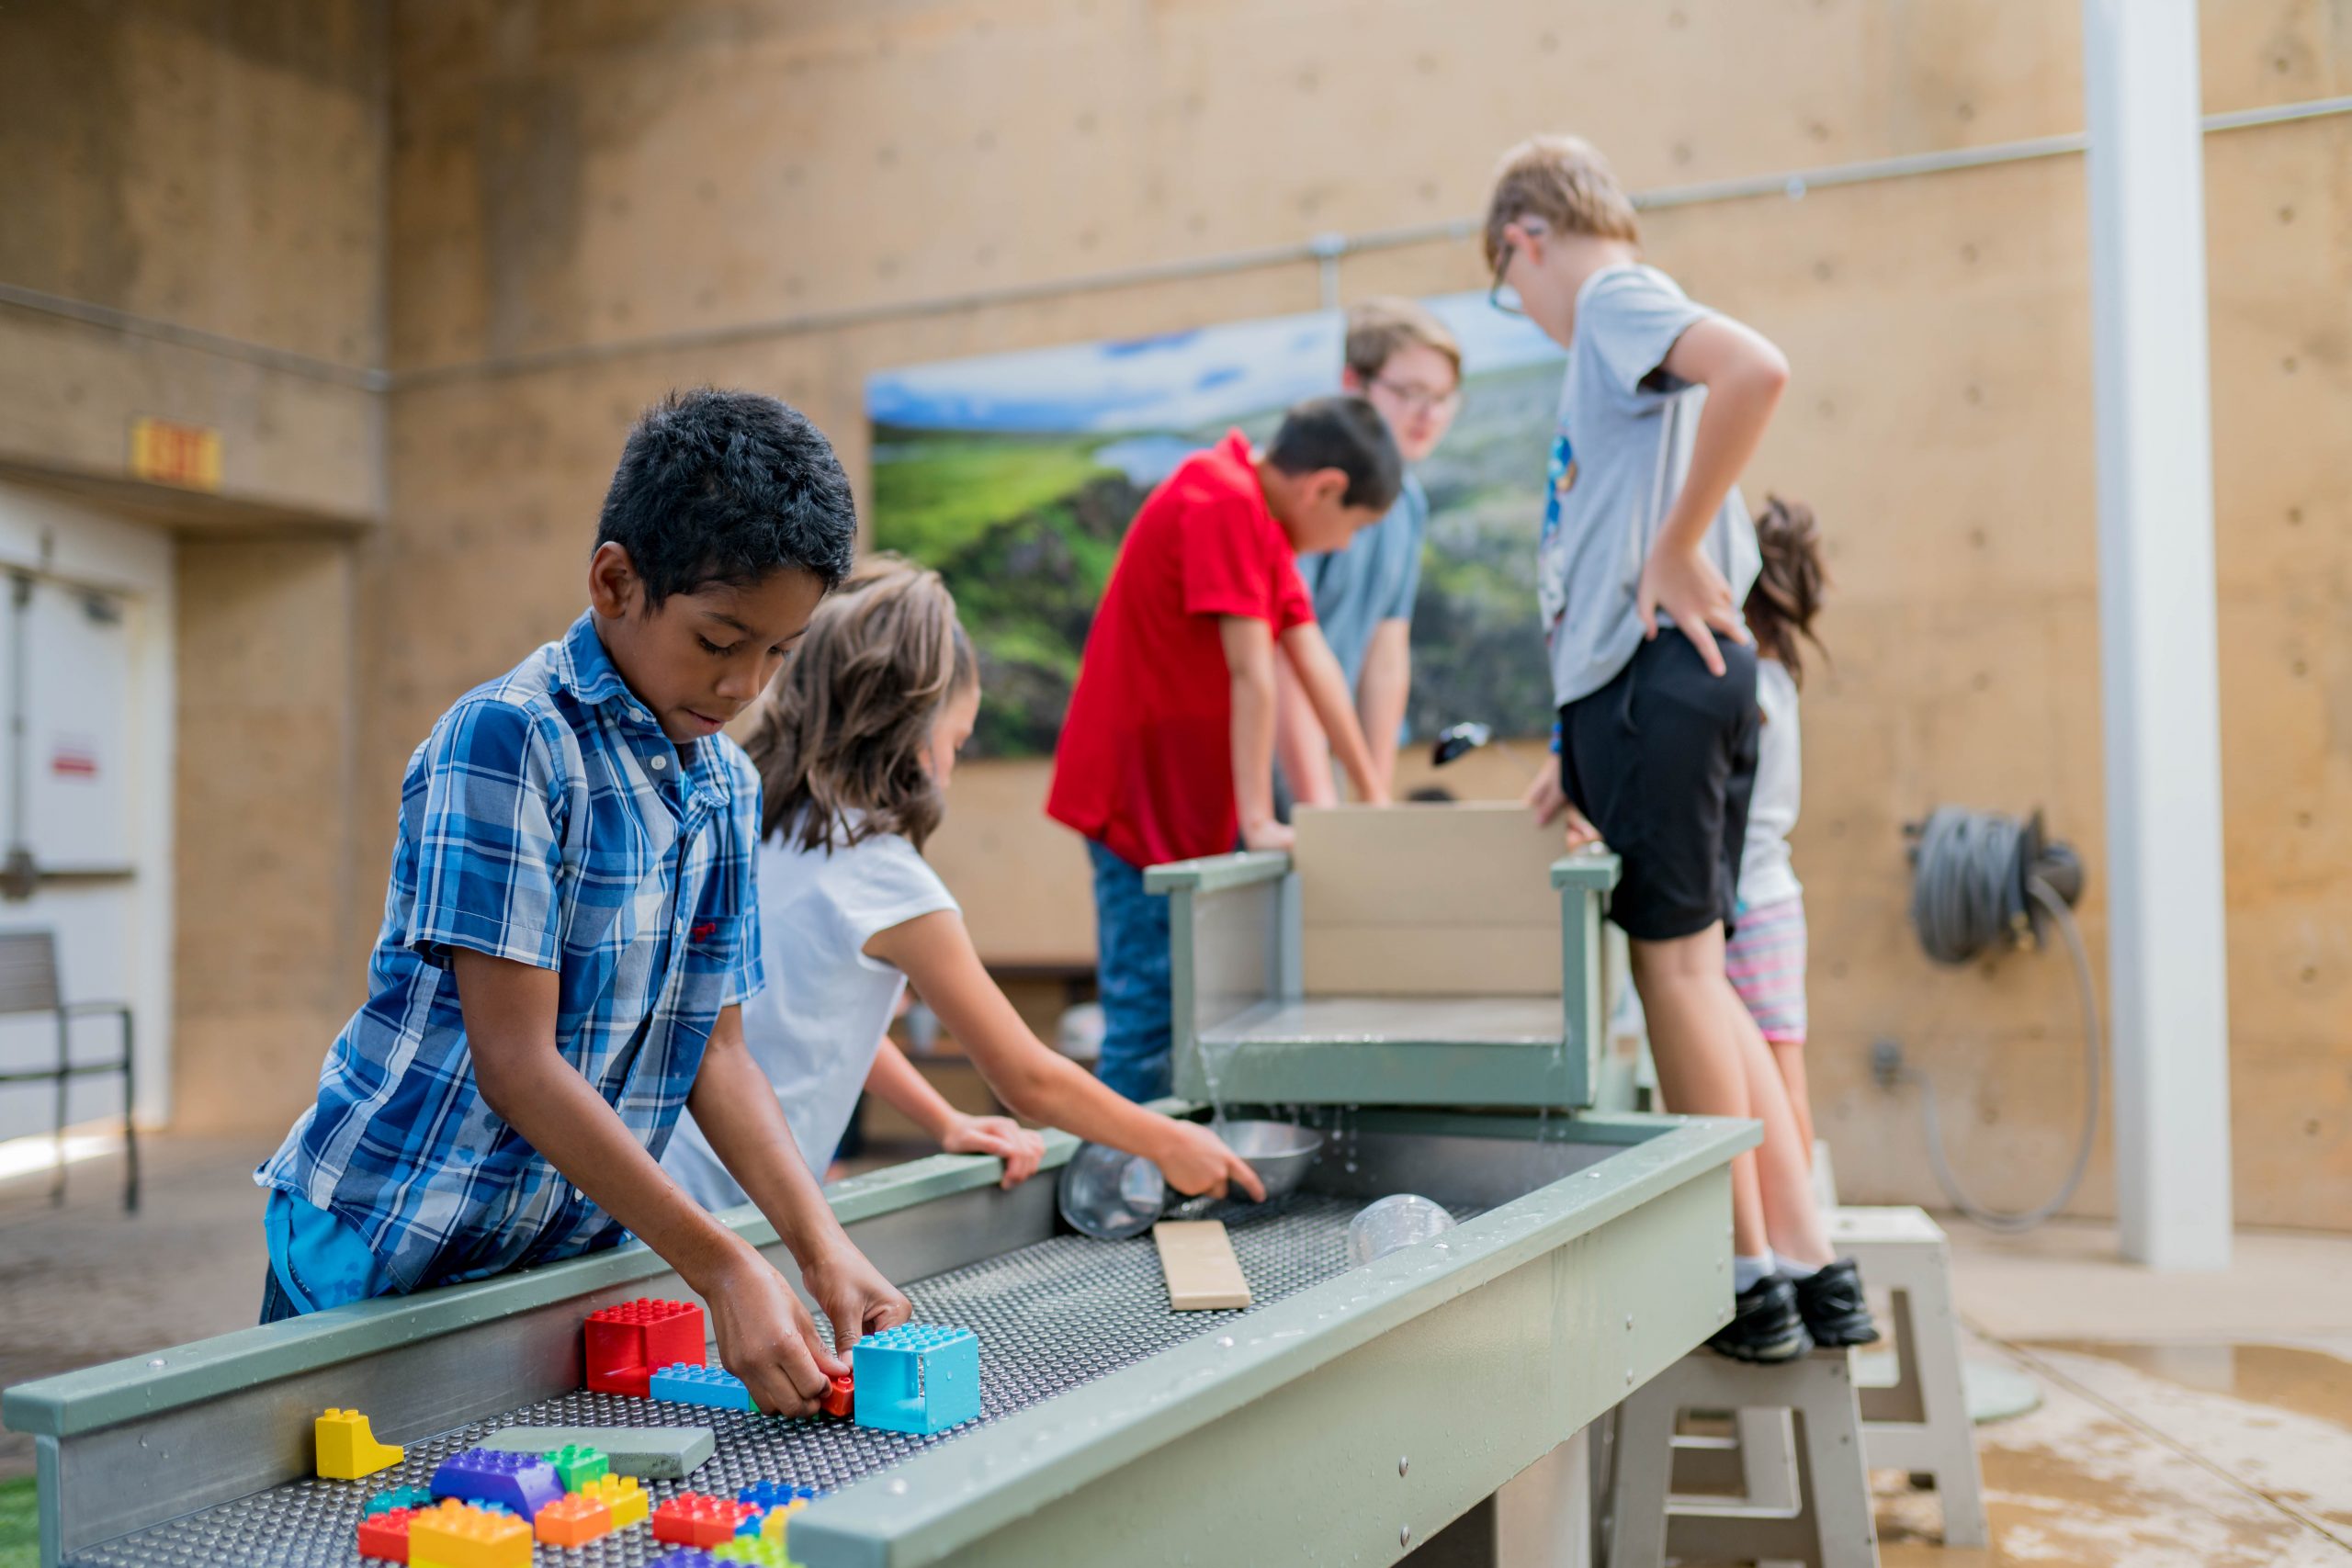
pixel 773 1522
pixel 458 1535
pixel 349 1449
pixel 622 1495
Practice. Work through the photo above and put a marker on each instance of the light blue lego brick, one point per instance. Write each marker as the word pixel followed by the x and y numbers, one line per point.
pixel 712 1386
pixel 919 1378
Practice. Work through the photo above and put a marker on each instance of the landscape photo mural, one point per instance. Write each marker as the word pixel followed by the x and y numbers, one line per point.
pixel 1017 475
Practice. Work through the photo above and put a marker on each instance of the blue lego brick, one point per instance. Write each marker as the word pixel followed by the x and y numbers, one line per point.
pixel 919 1376
pixel 684 1557
pixel 713 1386
pixel 524 1484
pixel 776 1494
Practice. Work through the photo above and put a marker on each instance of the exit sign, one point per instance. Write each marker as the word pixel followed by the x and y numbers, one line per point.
pixel 166 452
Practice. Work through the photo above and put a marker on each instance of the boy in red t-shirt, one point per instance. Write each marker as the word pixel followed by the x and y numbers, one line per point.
pixel 1167 751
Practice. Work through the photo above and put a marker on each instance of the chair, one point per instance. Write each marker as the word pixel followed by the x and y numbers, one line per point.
pixel 28 985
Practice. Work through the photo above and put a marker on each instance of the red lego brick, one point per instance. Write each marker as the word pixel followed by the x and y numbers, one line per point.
pixel 625 1343
pixel 841 1398
pixel 385 1535
pixel 691 1518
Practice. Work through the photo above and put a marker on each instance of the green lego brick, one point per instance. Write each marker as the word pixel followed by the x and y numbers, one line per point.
pixel 577 1464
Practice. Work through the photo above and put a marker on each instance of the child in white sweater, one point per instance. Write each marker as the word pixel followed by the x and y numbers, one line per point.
pixel 855 745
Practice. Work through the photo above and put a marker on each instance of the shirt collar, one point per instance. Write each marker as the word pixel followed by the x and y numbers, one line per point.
pixel 586 670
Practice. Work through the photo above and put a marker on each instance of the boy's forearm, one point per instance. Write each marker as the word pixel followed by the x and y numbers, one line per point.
pixel 542 1097
pixel 1380 697
pixel 1253 747
pixel 736 1108
pixel 1250 663
pixel 1730 426
pixel 1744 375
pixel 898 1084
pixel 1299 741
pixel 510 1014
pixel 1326 692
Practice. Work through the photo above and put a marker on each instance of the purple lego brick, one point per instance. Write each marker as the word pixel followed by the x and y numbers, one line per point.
pixel 524 1482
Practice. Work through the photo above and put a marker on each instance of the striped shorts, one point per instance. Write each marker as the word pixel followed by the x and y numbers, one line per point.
pixel 1766 959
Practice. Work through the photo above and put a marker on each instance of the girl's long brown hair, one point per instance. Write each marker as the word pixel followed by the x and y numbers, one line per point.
pixel 1787 594
pixel 839 738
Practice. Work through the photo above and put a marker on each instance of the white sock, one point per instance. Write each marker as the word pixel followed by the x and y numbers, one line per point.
pixel 1745 1271
pixel 1796 1271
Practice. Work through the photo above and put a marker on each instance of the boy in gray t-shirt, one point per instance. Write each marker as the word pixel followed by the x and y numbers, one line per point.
pixel 1646 555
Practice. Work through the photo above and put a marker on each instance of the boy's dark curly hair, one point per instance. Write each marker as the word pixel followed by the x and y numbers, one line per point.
pixel 718 486
pixel 1787 594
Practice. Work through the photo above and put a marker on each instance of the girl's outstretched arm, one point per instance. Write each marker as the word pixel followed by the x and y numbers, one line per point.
pixel 894 1080
pixel 935 953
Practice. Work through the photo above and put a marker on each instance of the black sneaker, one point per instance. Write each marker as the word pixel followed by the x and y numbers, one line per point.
pixel 1765 1325
pixel 1831 1302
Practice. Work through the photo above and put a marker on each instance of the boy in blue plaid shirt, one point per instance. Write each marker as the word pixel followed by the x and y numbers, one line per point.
pixel 571 931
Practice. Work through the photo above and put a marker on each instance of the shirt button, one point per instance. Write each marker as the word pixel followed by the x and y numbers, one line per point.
pixel 659 763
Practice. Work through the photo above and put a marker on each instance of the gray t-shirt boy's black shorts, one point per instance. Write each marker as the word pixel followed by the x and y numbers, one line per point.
pixel 1662 760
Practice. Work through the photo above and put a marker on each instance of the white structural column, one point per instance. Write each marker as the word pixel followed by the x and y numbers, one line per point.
pixel 2162 730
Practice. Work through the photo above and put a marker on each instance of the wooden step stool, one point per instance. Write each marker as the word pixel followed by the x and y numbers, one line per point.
pixel 1919 1423
pixel 1812 1507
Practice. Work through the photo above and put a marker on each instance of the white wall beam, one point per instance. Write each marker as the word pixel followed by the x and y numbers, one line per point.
pixel 2167 955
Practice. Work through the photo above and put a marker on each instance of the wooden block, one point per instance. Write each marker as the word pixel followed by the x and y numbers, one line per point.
pixel 1479 863
pixel 1442 961
pixel 654 1453
pixel 1197 1258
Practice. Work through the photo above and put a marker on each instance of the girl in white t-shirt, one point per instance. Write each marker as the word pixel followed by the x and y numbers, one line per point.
pixel 1766 957
pixel 855 744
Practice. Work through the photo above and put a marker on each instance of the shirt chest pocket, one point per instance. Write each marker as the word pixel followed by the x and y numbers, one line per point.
pixel 718 940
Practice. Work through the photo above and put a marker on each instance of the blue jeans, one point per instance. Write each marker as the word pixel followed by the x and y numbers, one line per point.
pixel 1131 948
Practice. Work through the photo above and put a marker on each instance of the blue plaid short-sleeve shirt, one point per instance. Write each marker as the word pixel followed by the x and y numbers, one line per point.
pixel 547 819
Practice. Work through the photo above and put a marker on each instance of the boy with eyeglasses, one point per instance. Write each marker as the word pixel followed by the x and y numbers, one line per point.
pixel 1402 359
pixel 1646 553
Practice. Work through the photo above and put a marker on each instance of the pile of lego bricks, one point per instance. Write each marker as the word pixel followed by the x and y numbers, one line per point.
pixel 1041 1318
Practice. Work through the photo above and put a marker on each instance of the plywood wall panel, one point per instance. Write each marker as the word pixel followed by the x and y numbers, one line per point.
pixel 672 169
pixel 218 164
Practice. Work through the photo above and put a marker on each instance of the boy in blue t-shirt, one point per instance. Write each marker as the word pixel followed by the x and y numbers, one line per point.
pixel 1401 359
pixel 571 932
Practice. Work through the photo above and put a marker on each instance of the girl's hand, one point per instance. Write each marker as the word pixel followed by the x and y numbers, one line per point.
pixel 1021 1149
pixel 855 1297
pixel 1196 1161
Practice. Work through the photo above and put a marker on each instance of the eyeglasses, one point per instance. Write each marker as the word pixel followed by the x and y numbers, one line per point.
pixel 1420 399
pixel 1502 297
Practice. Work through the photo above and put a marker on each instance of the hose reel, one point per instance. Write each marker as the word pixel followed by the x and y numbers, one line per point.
pixel 1984 882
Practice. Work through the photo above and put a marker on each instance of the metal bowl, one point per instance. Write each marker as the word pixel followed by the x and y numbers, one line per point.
pixel 1279 1151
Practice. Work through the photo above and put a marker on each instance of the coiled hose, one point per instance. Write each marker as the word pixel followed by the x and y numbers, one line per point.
pixel 1969 890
